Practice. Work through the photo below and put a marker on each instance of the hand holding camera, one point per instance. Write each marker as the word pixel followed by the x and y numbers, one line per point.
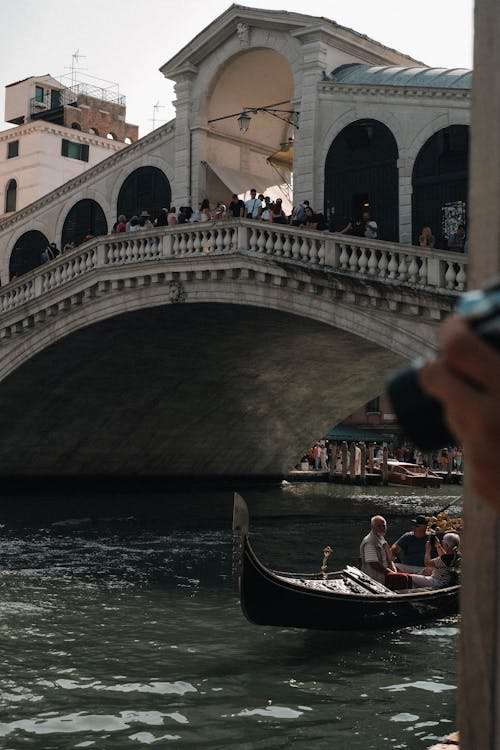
pixel 460 388
pixel 466 364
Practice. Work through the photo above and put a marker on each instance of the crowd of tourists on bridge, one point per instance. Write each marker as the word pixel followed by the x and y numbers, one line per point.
pixel 262 208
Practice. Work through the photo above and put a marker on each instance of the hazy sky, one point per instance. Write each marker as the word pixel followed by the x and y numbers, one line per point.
pixel 125 41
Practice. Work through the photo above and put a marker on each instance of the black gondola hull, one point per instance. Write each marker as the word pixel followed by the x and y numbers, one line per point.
pixel 268 599
pixel 307 601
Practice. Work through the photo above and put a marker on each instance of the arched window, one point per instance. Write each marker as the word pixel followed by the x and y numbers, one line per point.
pixel 27 253
pixel 93 131
pixel 76 126
pixel 84 219
pixel 440 182
pixel 145 189
pixel 111 136
pixel 361 173
pixel 11 196
pixel 128 141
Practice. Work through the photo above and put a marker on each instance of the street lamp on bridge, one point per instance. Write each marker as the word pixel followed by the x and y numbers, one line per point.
pixel 244 118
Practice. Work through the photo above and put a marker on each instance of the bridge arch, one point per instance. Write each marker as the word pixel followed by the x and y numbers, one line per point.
pixel 147 188
pixel 26 253
pixel 401 337
pixel 86 217
pixel 361 171
pixel 242 74
pixel 439 177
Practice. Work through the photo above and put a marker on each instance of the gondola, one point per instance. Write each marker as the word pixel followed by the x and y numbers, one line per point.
pixel 345 599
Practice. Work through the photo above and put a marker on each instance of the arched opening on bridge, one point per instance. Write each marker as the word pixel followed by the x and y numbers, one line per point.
pixel 440 183
pixel 361 173
pixel 261 157
pixel 145 189
pixel 26 254
pixel 84 219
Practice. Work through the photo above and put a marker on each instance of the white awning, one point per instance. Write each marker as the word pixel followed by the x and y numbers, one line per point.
pixel 241 183
pixel 238 182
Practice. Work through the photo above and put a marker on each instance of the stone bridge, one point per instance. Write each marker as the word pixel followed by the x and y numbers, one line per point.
pixel 213 349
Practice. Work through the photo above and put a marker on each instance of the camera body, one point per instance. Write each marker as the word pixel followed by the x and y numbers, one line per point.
pixel 420 415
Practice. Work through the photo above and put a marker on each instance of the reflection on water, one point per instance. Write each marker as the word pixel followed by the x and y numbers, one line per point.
pixel 124 629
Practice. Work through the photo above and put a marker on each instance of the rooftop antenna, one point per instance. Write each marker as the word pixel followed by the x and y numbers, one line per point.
pixel 75 57
pixel 156 109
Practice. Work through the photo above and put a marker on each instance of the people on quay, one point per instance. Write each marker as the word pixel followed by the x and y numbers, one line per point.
pixel 410 547
pixel 323 455
pixel 375 553
pixel 253 206
pixel 458 459
pixel 426 238
pixel 457 240
pixel 465 378
pixel 317 456
pixel 442 570
pixel 236 208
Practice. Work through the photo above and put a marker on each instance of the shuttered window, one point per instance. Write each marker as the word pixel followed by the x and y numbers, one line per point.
pixel 12 149
pixel 74 150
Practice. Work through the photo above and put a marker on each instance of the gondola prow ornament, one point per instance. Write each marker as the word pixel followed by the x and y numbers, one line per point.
pixel 326 554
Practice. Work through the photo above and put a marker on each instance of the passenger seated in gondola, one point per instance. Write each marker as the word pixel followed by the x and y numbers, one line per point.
pixel 443 570
pixel 376 557
pixel 410 547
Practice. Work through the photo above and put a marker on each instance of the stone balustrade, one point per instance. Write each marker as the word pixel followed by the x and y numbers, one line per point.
pixel 387 262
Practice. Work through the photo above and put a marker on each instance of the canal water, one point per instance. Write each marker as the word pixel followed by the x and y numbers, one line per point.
pixel 121 628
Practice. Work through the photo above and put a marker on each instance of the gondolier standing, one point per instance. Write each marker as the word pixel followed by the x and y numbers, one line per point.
pixel 375 553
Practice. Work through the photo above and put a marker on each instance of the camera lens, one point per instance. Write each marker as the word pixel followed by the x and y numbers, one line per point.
pixel 420 415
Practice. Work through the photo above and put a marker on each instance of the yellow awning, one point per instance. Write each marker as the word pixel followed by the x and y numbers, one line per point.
pixel 282 158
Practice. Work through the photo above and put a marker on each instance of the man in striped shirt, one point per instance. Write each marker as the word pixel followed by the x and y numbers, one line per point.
pixel 375 553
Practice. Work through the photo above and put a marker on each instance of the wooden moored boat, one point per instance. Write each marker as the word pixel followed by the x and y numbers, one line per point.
pixel 346 599
pixel 410 475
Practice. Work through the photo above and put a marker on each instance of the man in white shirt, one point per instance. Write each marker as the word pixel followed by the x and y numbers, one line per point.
pixel 253 206
pixel 375 553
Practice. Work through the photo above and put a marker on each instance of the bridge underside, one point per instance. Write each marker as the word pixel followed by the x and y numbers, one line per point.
pixel 190 389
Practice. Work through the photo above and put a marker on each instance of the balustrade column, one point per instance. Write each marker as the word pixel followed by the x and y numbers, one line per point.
pixel 243 237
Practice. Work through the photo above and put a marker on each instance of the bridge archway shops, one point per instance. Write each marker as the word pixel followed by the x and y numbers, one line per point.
pixel 26 254
pixel 361 173
pixel 440 183
pixel 145 189
pixel 85 218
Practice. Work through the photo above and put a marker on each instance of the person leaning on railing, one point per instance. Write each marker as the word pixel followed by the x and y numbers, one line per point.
pixel 465 377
